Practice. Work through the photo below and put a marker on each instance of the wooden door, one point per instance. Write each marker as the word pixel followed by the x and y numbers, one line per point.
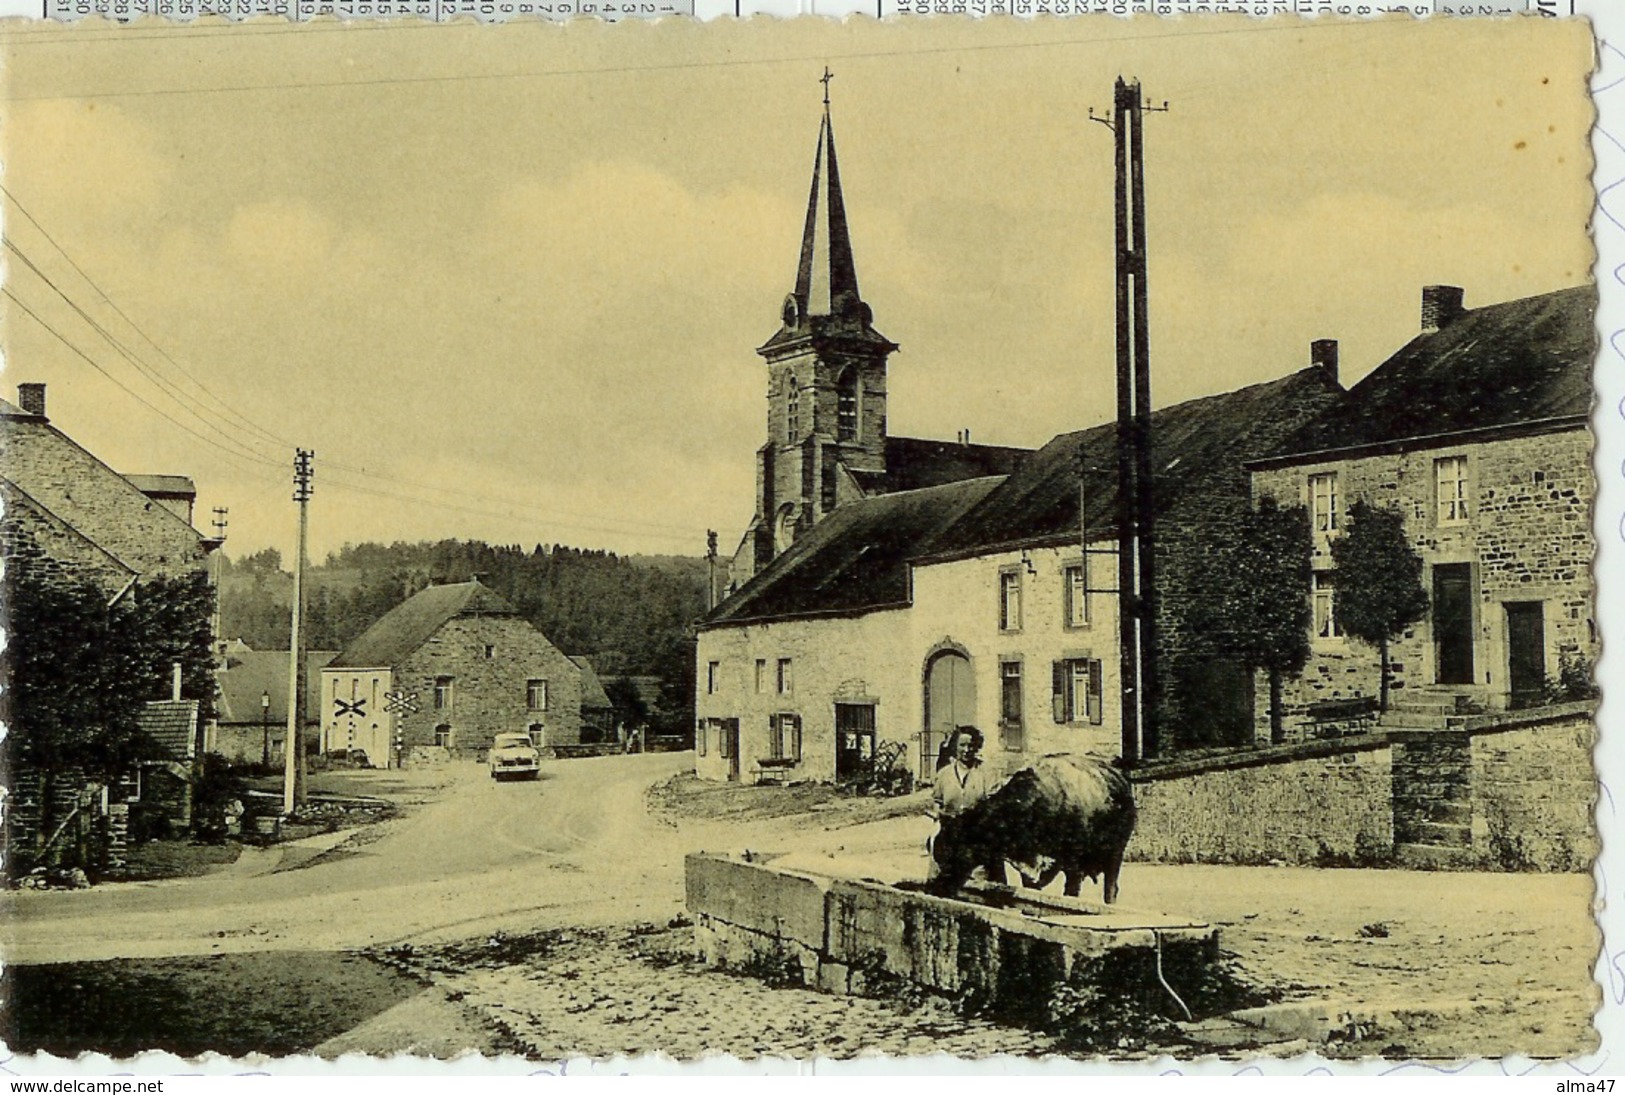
pixel 1526 652
pixel 950 701
pixel 1453 623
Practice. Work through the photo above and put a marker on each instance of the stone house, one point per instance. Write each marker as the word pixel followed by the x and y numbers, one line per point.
pixel 471 668
pixel 252 718
pixel 1476 431
pixel 72 511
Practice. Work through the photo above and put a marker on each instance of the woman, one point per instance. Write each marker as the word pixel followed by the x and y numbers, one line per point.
pixel 961 783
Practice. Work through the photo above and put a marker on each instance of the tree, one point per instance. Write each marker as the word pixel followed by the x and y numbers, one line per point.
pixel 1378 581
pixel 1261 611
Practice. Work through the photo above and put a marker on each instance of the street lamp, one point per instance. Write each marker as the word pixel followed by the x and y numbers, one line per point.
pixel 265 724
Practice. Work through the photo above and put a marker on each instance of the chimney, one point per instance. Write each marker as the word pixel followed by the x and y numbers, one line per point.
pixel 175 682
pixel 31 398
pixel 1323 352
pixel 1441 304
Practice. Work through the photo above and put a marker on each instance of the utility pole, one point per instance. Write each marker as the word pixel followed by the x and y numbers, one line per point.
pixel 219 523
pixel 293 753
pixel 1136 524
pixel 711 569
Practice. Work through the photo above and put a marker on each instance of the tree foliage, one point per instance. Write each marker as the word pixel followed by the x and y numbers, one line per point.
pixel 1259 610
pixel 79 670
pixel 1378 580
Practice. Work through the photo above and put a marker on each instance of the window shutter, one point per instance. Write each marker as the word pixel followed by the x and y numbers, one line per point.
pixel 699 736
pixel 1058 673
pixel 795 730
pixel 1096 714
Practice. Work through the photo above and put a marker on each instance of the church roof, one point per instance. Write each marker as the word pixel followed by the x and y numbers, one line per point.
pixel 826 301
pixel 411 623
pixel 1515 364
pixel 913 463
pixel 1190 442
pixel 854 560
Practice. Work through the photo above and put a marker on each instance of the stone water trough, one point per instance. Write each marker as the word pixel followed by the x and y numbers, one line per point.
pixel 847 933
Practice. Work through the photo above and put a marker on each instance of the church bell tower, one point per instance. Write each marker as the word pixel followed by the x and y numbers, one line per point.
pixel 826 377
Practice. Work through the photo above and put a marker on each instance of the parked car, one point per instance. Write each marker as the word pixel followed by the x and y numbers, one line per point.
pixel 514 755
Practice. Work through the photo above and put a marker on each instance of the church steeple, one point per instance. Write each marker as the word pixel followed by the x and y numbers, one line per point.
pixel 826 298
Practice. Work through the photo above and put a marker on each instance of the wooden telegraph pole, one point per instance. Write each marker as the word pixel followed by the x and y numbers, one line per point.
pixel 293 759
pixel 1136 523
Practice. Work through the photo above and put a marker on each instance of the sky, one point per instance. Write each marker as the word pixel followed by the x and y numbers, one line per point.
pixel 507 282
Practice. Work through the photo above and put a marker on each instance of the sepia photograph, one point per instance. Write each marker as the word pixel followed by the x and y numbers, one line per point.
pixel 796 540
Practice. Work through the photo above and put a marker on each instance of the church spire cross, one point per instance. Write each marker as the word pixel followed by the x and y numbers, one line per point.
pixel 825 79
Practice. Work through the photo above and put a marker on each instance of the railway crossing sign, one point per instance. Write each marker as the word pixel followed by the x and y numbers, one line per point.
pixel 401 703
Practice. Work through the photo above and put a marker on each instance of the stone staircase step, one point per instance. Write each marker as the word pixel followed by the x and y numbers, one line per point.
pixel 1444 834
pixel 1430 857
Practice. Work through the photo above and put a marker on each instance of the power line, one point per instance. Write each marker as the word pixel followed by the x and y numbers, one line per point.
pixel 111 303
pixel 145 370
pixel 93 363
pixel 679 66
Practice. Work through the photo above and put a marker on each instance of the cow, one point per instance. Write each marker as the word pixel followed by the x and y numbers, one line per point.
pixel 1060 814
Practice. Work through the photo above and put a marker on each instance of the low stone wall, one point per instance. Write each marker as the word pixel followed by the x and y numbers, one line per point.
pixel 1534 791
pixel 1322 804
pixel 1514 791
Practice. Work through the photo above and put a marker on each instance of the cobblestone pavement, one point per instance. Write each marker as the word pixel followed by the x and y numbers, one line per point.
pixel 628 992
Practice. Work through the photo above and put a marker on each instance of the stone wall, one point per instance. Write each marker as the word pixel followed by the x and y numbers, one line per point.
pixel 1528 539
pixel 488 694
pixel 1324 804
pixel 1534 793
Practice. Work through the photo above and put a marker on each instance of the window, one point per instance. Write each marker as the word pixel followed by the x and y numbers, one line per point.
pixel 1323 591
pixel 784 681
pixel 792 410
pixel 1078 691
pixel 711 673
pixel 1323 502
pixel 784 736
pixel 442 693
pixel 846 410
pixel 1075 595
pixel 699 736
pixel 1011 732
pixel 538 734
pixel 725 740
pixel 1010 600
pixel 536 695
pixel 761 675
pixel 490 651
pixel 1450 475
pixel 442 736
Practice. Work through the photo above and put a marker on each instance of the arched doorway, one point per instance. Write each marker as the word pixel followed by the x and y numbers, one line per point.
pixel 950 701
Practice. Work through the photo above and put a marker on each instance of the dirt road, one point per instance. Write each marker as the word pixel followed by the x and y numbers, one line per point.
pixel 575 847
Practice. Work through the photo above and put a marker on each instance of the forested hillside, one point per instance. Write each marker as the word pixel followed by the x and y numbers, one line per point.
pixel 630 614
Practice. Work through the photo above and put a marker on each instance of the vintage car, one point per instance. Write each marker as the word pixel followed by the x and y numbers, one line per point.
pixel 514 755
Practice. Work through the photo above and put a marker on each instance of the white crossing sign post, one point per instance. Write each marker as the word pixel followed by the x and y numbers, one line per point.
pixel 400 703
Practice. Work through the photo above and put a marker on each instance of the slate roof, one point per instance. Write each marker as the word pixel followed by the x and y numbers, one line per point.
pixel 854 559
pixel 172 726
pixel 1038 502
pixel 249 674
pixel 1503 365
pixel 592 689
pixel 913 463
pixel 409 624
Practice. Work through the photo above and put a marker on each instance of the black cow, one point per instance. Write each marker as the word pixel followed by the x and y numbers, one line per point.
pixel 1060 814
